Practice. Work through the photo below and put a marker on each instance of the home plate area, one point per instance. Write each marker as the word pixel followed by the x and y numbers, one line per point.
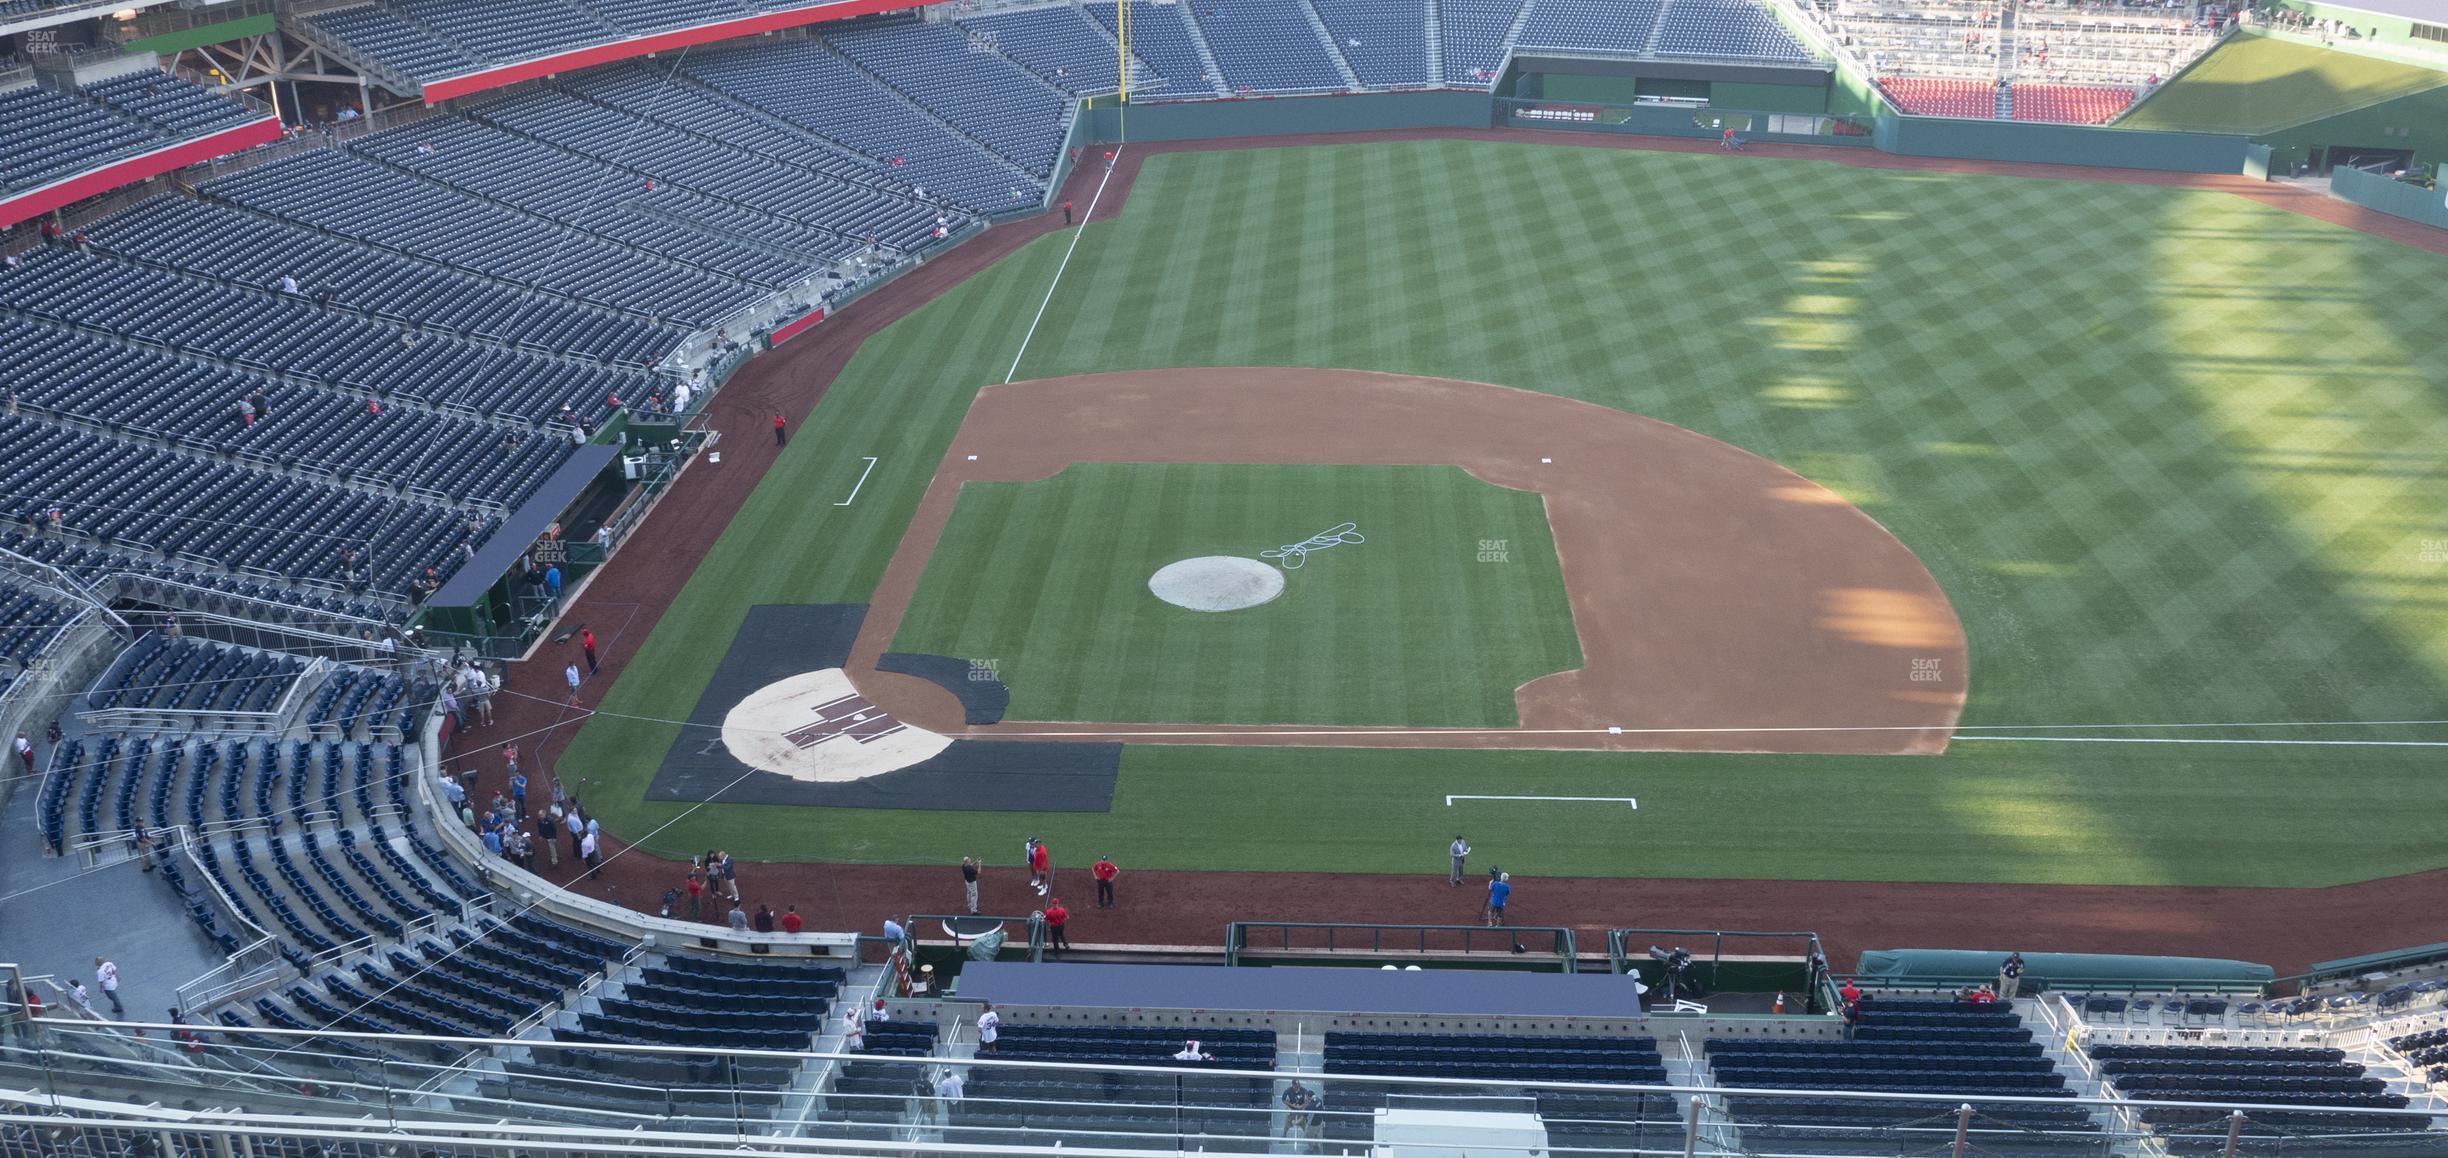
pixel 782 723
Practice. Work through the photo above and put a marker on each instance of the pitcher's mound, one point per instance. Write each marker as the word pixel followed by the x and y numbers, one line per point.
pixel 1216 583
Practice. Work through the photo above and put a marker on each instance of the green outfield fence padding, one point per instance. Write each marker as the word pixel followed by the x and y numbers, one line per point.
pixel 1940 968
pixel 2061 144
pixel 1262 117
pixel 173 43
pixel 2395 198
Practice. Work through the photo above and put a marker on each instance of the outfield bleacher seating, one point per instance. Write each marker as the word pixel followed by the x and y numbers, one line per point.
pixel 1929 97
pixel 2318 1079
pixel 1266 46
pixel 1922 39
pixel 2069 103
pixel 1386 44
pixel 1057 43
pixel 806 84
pixel 1600 26
pixel 1160 37
pixel 1001 105
pixel 1474 38
pixel 1726 28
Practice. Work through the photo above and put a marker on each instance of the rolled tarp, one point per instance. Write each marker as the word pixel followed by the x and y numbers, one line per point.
pixel 1939 968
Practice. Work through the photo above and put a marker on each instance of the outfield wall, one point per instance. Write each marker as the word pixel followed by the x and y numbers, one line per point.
pixel 1906 136
pixel 2395 198
pixel 2061 144
pixel 1358 112
pixel 2416 121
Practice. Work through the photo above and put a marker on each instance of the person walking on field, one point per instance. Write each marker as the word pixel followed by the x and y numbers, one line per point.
pixel 969 882
pixel 781 431
pixel 1066 213
pixel 1460 852
pixel 1105 872
pixel 1500 890
pixel 586 642
pixel 1041 866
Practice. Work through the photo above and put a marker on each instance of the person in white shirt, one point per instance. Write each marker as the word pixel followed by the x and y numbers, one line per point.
pixel 1460 851
pixel 106 978
pixel 77 994
pixel 990 1025
pixel 948 1091
pixel 893 931
pixel 854 1029
pixel 1190 1052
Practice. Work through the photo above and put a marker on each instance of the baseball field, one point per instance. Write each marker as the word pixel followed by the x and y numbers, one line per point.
pixel 2168 461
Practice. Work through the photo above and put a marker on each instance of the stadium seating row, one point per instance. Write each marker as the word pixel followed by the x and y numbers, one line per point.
pixel 50 132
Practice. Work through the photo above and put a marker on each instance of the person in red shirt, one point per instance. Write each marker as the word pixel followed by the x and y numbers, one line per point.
pixel 1850 993
pixel 1066 213
pixel 696 892
pixel 781 432
pixel 586 642
pixel 1105 873
pixel 790 920
pixel 1058 920
pixel 1041 867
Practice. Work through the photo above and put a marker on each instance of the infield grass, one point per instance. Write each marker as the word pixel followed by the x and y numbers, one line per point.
pixel 1047 582
pixel 2175 457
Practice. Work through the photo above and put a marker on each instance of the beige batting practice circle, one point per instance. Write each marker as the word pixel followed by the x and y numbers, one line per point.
pixel 817 727
pixel 1217 583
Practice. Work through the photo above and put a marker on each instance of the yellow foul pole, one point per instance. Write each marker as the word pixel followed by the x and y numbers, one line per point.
pixel 1122 47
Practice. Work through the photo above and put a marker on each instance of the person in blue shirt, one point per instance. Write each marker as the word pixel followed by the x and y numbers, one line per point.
pixel 518 794
pixel 1500 890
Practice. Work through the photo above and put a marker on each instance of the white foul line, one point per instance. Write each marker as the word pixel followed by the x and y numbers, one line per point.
pixel 1076 234
pixel 1587 799
pixel 854 488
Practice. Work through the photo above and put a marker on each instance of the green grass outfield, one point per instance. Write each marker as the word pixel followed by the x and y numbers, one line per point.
pixel 2259 84
pixel 2175 457
pixel 1049 581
